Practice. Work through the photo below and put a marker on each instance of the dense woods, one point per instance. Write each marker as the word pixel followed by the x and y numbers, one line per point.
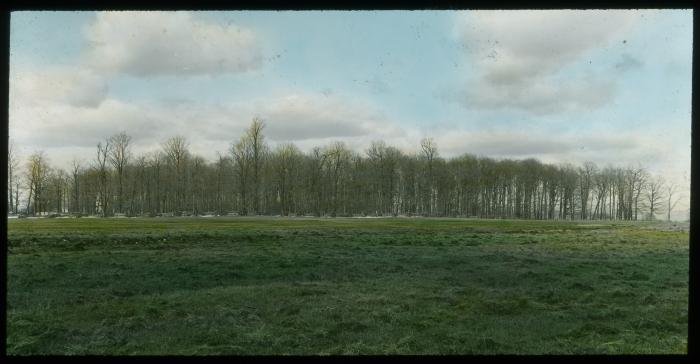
pixel 253 179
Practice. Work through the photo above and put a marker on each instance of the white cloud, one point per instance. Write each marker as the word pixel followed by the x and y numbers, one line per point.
pixel 63 106
pixel 299 117
pixel 541 96
pixel 519 55
pixel 293 117
pixel 58 125
pixel 516 45
pixel 538 143
pixel 306 119
pixel 61 85
pixel 156 43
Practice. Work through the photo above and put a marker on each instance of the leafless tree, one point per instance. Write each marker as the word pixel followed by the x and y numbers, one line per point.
pixel 243 159
pixel 638 180
pixel 119 156
pixel 221 166
pixel 334 180
pixel 338 157
pixel 256 143
pixel 671 190
pixel 36 174
pixel 176 153
pixel 103 152
pixel 76 171
pixel 57 191
pixel 587 172
pixel 429 153
pixel 157 201
pixel 316 165
pixel 286 161
pixel 654 199
pixel 13 162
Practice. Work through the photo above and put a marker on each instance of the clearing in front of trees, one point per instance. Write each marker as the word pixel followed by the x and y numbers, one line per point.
pixel 344 286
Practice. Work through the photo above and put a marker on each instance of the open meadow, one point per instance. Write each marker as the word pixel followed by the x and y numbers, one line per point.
pixel 200 286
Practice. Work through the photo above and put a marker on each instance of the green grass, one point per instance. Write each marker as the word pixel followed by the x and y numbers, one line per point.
pixel 344 286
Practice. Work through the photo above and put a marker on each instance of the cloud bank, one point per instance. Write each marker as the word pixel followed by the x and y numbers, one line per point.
pixel 169 43
pixel 518 56
pixel 73 86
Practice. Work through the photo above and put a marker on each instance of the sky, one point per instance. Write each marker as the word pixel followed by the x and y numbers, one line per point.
pixel 608 86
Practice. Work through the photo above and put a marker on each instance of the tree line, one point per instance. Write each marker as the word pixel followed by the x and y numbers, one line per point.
pixel 252 178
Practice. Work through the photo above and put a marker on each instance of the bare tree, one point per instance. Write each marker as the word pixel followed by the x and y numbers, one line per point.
pixel 429 153
pixel 248 157
pixel 639 177
pixel 654 199
pixel 76 170
pixel 175 150
pixel 338 157
pixel 317 163
pixel 671 190
pixel 142 182
pixel 119 157
pixel 242 160
pixel 57 188
pixel 156 166
pixel 376 154
pixel 335 180
pixel 36 174
pixel 585 184
pixel 258 149
pixel 12 177
pixel 429 149
pixel 103 152
pixel 383 162
pixel 286 161
pixel 18 182
pixel 196 185
pixel 220 171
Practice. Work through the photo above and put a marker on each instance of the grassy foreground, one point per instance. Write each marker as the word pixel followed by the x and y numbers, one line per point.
pixel 199 286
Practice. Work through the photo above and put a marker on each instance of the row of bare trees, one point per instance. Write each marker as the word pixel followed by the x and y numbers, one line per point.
pixel 254 179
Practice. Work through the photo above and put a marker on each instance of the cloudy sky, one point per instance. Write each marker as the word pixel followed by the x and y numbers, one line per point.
pixel 612 87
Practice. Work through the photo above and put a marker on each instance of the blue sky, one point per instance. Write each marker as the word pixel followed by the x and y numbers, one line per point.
pixel 566 86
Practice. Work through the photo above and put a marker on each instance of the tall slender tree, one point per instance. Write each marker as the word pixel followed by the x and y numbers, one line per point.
pixel 256 143
pixel 76 171
pixel 654 198
pixel 13 161
pixel 36 175
pixel 672 199
pixel 102 168
pixel 429 153
pixel 119 156
pixel 242 161
pixel 286 162
pixel 176 154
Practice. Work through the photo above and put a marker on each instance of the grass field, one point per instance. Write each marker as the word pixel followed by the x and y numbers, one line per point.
pixel 200 286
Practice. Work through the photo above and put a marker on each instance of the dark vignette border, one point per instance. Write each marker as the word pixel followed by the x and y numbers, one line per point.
pixel 76 5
